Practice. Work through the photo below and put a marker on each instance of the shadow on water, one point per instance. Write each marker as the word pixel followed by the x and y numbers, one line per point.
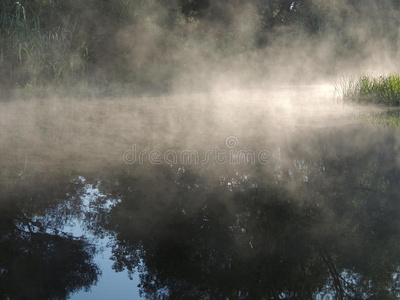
pixel 317 215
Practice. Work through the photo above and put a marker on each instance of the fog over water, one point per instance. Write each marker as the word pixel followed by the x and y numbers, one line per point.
pixel 197 150
pixel 316 213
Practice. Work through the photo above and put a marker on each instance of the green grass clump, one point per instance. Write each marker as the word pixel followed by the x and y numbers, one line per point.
pixel 377 90
pixel 30 56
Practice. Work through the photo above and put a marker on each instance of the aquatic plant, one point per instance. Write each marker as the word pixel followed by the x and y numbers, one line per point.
pixel 384 89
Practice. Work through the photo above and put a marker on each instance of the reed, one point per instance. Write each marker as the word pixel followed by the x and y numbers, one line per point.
pixel 383 89
pixel 30 56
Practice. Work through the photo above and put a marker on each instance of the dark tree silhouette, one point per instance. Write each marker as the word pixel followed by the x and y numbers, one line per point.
pixel 192 236
pixel 37 261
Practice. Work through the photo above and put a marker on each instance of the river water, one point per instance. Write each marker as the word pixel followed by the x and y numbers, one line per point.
pixel 258 194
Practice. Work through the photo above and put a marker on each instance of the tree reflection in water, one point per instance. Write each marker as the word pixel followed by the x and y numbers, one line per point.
pixel 324 215
pixel 37 261
pixel 272 234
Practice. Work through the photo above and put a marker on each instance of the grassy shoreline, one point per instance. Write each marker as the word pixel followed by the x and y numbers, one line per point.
pixel 384 89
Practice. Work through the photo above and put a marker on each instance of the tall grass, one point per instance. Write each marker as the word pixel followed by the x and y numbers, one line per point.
pixel 32 57
pixel 367 89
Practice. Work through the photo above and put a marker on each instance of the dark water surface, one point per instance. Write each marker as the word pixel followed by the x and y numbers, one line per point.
pixel 279 195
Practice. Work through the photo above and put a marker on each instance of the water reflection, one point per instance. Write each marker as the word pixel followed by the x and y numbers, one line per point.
pixel 37 261
pixel 278 237
pixel 322 218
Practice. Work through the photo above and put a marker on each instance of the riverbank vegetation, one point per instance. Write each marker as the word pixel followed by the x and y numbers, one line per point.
pixel 368 89
pixel 153 46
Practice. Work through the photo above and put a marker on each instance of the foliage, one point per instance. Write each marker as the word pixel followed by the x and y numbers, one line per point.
pixel 147 44
pixel 33 57
pixel 367 89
